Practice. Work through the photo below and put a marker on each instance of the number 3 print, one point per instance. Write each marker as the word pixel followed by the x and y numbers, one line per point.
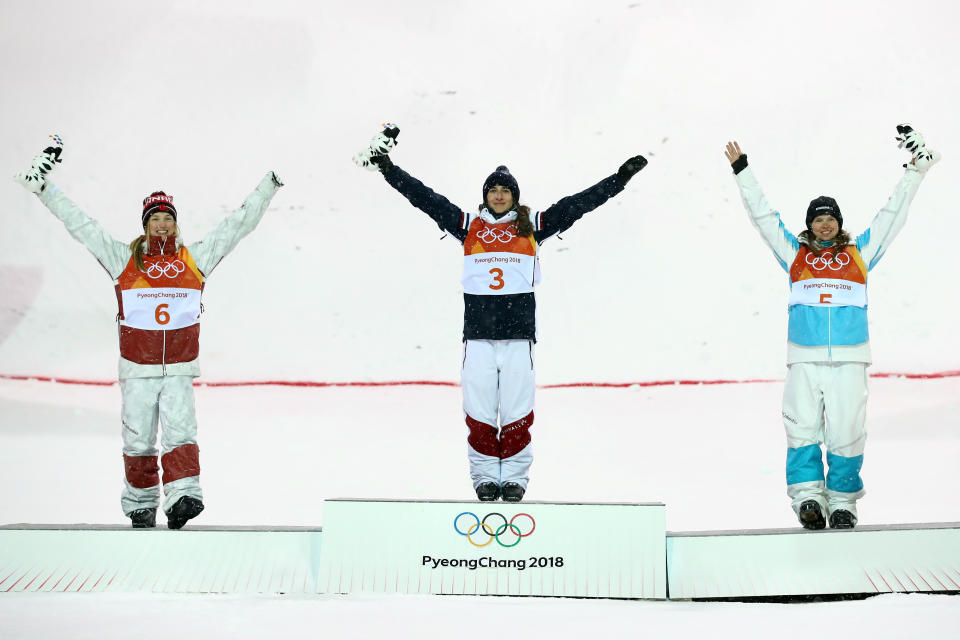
pixel 497 278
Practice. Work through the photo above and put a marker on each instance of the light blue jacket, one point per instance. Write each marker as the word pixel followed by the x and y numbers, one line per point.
pixel 837 333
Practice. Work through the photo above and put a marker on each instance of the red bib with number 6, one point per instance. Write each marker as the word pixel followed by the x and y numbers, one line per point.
pixel 160 309
pixel 498 261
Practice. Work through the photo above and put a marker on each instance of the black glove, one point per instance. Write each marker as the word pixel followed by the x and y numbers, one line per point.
pixel 631 167
pixel 382 144
pixel 383 162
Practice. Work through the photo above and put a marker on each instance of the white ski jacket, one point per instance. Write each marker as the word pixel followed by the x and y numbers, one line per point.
pixel 114 255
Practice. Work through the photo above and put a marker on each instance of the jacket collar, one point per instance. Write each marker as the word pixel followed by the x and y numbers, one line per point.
pixel 491 218
pixel 161 246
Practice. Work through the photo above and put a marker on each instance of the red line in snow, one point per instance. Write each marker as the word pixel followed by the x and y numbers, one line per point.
pixel 96 383
pixel 446 383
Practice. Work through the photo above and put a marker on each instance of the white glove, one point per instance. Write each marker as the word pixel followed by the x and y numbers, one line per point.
pixel 382 144
pixel 922 158
pixel 926 160
pixel 33 180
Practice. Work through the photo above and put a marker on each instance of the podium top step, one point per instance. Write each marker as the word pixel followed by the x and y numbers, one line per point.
pixel 476 502
pixel 798 529
pixel 160 527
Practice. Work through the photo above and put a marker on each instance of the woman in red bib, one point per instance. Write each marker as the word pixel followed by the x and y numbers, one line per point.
pixel 158 282
pixel 500 270
pixel 828 348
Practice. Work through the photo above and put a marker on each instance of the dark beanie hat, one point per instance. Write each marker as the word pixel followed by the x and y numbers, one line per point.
pixel 502 177
pixel 157 201
pixel 824 206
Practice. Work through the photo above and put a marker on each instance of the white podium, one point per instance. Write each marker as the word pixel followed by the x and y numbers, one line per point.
pixel 494 548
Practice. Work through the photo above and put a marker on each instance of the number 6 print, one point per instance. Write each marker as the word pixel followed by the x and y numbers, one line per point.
pixel 497 278
pixel 161 315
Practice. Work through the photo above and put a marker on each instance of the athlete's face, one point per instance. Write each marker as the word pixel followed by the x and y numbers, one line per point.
pixel 500 199
pixel 162 224
pixel 825 227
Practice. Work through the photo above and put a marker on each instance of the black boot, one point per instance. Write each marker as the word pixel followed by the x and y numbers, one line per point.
pixel 143 518
pixel 183 509
pixel 488 491
pixel 810 515
pixel 842 519
pixel 512 492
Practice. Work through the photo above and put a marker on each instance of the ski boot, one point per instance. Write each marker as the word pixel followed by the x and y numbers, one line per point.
pixel 811 515
pixel 842 519
pixel 184 509
pixel 488 491
pixel 512 492
pixel 143 518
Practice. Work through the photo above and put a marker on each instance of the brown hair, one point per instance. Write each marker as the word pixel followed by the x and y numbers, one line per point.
pixel 841 240
pixel 524 224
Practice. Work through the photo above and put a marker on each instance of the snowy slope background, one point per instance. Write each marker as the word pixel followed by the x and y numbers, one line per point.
pixel 344 281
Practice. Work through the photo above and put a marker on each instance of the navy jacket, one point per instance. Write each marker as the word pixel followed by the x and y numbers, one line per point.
pixel 506 317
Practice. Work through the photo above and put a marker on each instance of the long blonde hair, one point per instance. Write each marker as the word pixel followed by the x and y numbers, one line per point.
pixel 137 244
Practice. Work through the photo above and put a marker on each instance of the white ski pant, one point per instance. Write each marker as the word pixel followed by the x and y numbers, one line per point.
pixel 166 400
pixel 825 403
pixel 498 387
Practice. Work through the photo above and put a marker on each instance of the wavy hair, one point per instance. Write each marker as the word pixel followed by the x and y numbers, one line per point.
pixel 841 240
pixel 524 224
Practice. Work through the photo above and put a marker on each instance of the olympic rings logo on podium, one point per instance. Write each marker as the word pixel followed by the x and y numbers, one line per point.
pixel 508 529
pixel 166 269
pixel 820 262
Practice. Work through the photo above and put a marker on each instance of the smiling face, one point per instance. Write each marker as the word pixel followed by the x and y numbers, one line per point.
pixel 499 199
pixel 162 224
pixel 825 227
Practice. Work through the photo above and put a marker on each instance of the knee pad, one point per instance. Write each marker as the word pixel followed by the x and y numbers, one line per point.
pixel 483 438
pixel 141 471
pixel 515 436
pixel 182 462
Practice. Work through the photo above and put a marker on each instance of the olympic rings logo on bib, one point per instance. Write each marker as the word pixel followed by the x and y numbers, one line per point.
pixel 492 234
pixel 165 269
pixel 832 262
pixel 507 530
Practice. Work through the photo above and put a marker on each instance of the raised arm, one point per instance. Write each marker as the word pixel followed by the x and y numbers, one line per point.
pixel 872 243
pixel 448 216
pixel 376 157
pixel 763 217
pixel 208 253
pixel 561 216
pixel 111 253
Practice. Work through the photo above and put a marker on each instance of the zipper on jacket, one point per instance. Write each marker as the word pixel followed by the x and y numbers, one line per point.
pixel 163 360
pixel 829 335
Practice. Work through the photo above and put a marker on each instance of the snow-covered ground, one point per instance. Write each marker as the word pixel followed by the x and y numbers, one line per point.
pixel 344 281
